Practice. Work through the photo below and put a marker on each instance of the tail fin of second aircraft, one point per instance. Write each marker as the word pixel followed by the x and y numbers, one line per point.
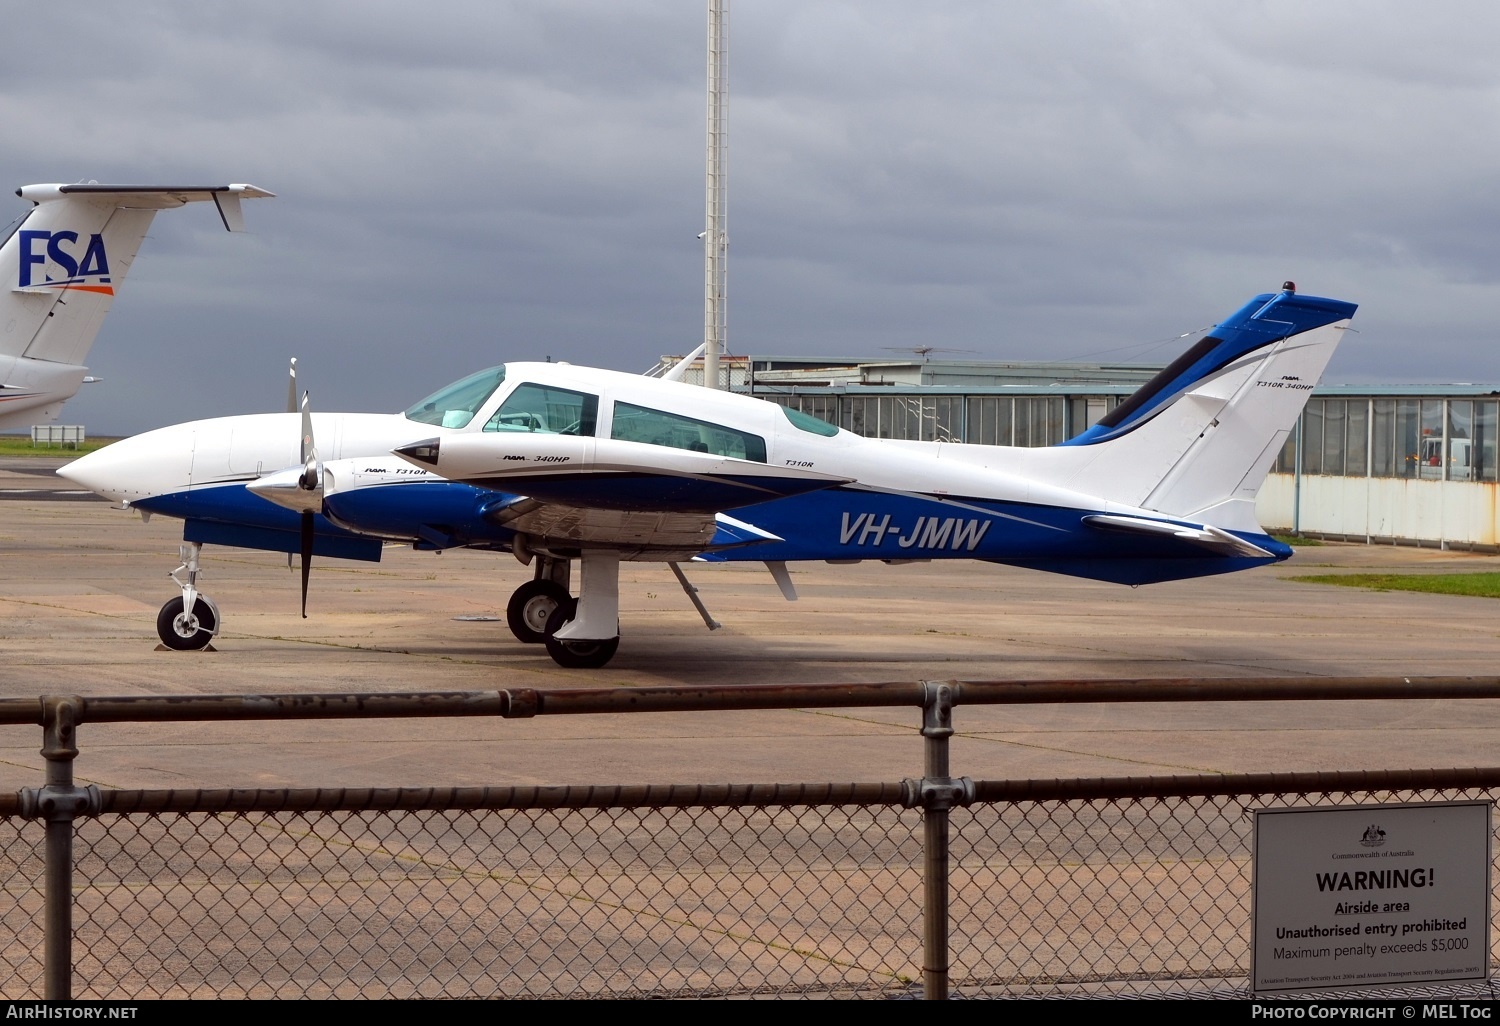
pixel 63 265
pixel 1197 441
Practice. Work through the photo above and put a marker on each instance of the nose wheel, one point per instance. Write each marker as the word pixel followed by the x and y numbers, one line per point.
pixel 184 631
pixel 189 622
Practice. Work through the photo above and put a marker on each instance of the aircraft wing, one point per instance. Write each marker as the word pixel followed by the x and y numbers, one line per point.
pixel 1209 537
pixel 656 535
pixel 638 499
pixel 611 474
pixel 383 497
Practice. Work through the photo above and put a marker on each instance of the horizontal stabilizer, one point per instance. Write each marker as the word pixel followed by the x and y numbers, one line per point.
pixel 1208 536
pixel 154 197
pixel 732 533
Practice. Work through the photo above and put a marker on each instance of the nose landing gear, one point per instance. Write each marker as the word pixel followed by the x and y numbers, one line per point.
pixel 190 622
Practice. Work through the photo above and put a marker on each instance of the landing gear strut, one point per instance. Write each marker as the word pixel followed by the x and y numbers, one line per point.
pixel 586 636
pixel 581 633
pixel 577 655
pixel 189 622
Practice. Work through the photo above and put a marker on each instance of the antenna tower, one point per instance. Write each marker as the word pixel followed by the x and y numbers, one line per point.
pixel 715 238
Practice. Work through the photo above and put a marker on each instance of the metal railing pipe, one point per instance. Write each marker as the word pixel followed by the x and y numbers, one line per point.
pixel 526 702
pixel 710 698
pixel 1224 689
pixel 566 796
pixel 1211 785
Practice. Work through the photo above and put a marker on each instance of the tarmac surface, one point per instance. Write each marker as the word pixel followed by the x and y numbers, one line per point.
pixel 83 582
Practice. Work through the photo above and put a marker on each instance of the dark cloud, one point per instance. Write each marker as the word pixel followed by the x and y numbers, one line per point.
pixel 465 183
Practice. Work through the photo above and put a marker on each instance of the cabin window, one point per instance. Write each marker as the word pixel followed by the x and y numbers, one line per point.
pixel 546 410
pixel 824 408
pixel 807 422
pixel 656 427
pixel 453 406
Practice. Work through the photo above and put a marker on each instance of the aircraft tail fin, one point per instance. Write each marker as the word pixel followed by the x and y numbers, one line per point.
pixel 63 265
pixel 1197 440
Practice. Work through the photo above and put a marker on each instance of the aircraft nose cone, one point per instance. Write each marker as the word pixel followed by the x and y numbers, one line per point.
pixel 425 451
pixel 135 469
pixel 102 472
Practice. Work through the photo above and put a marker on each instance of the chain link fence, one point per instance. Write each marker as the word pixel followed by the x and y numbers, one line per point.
pixel 1141 896
pixel 1123 887
pixel 1085 897
pixel 482 903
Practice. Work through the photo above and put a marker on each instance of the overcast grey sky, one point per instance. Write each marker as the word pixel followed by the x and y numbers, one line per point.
pixel 464 183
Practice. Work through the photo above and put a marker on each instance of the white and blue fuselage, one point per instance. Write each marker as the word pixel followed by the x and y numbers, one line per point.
pixel 572 463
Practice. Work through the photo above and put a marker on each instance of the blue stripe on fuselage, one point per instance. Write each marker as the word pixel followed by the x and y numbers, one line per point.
pixel 840 523
pixel 852 524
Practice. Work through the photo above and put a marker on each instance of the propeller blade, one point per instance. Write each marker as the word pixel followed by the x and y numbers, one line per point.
pixel 291 407
pixel 309 450
pixel 307 548
pixel 311 480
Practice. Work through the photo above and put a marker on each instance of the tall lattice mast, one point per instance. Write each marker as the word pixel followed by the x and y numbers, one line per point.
pixel 715 237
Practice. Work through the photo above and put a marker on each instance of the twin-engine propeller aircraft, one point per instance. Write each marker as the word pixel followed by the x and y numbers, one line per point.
pixel 558 464
pixel 65 261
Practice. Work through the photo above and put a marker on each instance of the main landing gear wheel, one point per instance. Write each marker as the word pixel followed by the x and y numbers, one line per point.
pixel 183 631
pixel 576 655
pixel 531 606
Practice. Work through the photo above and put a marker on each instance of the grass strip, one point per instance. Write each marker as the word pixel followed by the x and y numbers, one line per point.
pixel 1296 541
pixel 20 445
pixel 1481 585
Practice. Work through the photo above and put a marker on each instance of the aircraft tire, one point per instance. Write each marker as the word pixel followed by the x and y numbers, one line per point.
pixel 531 606
pixel 176 632
pixel 577 655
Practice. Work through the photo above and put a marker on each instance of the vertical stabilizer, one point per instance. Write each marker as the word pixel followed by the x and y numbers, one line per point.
pixel 1197 440
pixel 62 268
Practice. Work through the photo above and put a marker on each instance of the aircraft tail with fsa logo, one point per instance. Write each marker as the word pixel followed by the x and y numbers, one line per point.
pixel 1196 442
pixel 62 266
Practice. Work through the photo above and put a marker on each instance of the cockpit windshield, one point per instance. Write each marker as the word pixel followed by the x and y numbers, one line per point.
pixel 453 406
